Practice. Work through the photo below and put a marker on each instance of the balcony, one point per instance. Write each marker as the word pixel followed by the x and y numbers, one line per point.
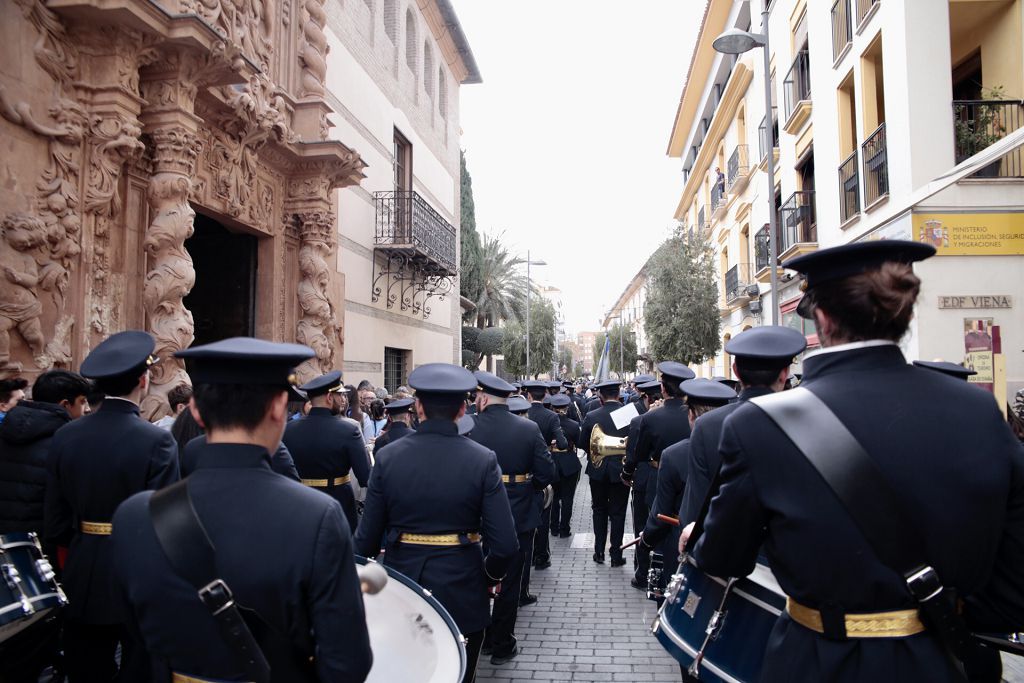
pixel 718 198
pixel 418 249
pixel 762 254
pixel 702 223
pixel 980 123
pixel 798 225
pixel 842 28
pixel 738 170
pixel 876 168
pixel 762 137
pixel 864 11
pixel 849 189
pixel 797 91
pixel 737 279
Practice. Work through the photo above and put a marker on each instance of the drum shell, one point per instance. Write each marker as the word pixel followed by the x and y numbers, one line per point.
pixel 21 551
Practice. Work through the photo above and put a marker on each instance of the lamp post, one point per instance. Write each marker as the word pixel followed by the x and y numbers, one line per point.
pixel 735 42
pixel 528 288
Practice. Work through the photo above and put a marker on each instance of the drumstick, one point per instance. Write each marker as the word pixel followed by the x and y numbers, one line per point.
pixel 631 543
pixel 668 519
pixel 372 578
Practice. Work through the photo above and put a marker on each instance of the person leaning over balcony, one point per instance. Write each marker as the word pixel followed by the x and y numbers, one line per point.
pixel 955 471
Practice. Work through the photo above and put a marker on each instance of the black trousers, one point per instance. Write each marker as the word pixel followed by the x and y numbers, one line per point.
pixel 642 557
pixel 542 540
pixel 474 641
pixel 90 653
pixel 561 506
pixel 608 500
pixel 527 551
pixel 500 635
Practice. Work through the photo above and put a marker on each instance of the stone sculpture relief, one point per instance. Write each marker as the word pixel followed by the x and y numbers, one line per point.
pixel 20 309
pixel 247 23
pixel 318 326
pixel 313 50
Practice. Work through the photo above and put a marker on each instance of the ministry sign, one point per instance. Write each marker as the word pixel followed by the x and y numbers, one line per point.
pixel 971 234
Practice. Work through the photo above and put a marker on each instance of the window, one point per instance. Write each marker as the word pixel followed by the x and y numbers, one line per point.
pixel 403 163
pixel 428 70
pixel 410 41
pixel 395 366
pixel 442 92
pixel 874 154
pixel 849 176
pixel 391 20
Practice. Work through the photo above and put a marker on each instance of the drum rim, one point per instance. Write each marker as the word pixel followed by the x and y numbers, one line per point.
pixel 663 627
pixel 32 600
pixel 432 601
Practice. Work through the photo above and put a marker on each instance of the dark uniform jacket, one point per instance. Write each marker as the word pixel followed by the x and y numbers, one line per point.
pixel 704 459
pixel 520 449
pixel 437 482
pixel 283 549
pixel 943 445
pixel 95 463
pixel 326 446
pixel 25 437
pixel 280 462
pixel 579 406
pixel 567 463
pixel 592 404
pixel 641 470
pixel 671 482
pixel 655 431
pixel 393 433
pixel 611 467
pixel 550 427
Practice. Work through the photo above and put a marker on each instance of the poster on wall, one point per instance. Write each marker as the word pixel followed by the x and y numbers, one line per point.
pixel 979 350
pixel 971 234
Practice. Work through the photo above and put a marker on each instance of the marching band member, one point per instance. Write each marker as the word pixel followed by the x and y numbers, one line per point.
pixel 399 423
pixel 609 495
pixel 567 469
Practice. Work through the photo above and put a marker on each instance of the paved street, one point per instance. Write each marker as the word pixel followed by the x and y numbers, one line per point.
pixel 589 624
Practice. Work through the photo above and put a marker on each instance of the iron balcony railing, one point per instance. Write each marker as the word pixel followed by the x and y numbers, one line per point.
pixel 762 248
pixel 762 134
pixel 737 279
pixel 863 7
pixel 842 27
pixel 980 123
pixel 701 222
pixel 849 188
pixel 407 222
pixel 739 165
pixel 798 221
pixel 797 86
pixel 717 194
pixel 876 167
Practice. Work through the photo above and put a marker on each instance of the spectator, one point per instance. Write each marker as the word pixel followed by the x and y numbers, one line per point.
pixel 11 391
pixel 184 429
pixel 355 410
pixel 382 394
pixel 402 392
pixel 179 398
pixel 378 420
pixel 720 179
pixel 365 384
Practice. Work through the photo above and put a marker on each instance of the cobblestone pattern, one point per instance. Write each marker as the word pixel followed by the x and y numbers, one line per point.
pixel 588 624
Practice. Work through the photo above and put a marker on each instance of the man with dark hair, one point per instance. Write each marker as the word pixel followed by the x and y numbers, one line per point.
pixel 178 398
pixel 326 448
pixel 58 396
pixel 436 495
pixel 551 430
pixel 526 468
pixel 11 391
pixel 94 465
pixel 655 431
pixel 608 494
pixel 761 359
pixel 282 551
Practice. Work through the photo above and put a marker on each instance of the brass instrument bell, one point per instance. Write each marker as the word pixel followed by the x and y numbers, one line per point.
pixel 603 446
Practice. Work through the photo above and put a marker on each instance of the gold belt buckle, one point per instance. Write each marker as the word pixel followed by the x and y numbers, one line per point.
pixel 516 478
pixel 96 528
pixel 894 624
pixel 325 483
pixel 437 539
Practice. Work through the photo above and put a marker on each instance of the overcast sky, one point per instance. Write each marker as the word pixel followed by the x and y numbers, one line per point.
pixel 566 137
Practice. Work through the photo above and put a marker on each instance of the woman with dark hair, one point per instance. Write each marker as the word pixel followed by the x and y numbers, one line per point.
pixel 941 446
pixel 355 411
pixel 378 419
pixel 184 429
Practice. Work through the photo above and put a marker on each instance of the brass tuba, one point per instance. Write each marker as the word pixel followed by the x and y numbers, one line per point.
pixel 603 446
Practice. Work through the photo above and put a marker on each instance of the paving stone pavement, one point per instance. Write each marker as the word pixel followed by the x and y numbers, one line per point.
pixel 588 624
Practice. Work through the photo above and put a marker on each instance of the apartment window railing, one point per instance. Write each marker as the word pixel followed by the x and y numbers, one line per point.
pixel 842 27
pixel 876 167
pixel 405 219
pixel 762 133
pixel 978 124
pixel 797 86
pixel 863 7
pixel 849 188
pixel 762 248
pixel 701 222
pixel 739 165
pixel 717 194
pixel 798 221
pixel 736 280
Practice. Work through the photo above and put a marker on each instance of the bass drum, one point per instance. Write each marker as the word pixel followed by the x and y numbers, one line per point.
pixel 28 591
pixel 413 637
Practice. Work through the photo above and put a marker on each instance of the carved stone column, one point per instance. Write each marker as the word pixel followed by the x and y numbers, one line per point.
pixel 318 325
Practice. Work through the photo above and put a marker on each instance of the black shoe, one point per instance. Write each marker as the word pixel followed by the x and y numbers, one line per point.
pixel 637 584
pixel 498 660
pixel 599 558
pixel 526 600
pixel 618 561
pixel 486 649
pixel 565 534
pixel 554 532
pixel 540 566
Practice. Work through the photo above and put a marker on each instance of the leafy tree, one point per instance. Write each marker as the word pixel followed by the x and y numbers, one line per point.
pixel 577 370
pixel 564 359
pixel 681 316
pixel 502 294
pixel 491 341
pixel 470 338
pixel 629 354
pixel 542 341
pixel 469 239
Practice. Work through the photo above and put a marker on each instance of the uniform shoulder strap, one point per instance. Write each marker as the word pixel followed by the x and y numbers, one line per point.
pixel 193 557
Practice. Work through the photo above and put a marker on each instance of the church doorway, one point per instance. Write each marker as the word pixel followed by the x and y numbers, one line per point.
pixel 223 300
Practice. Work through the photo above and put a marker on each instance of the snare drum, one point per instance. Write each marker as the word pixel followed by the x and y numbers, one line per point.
pixel 28 591
pixel 719 628
pixel 412 635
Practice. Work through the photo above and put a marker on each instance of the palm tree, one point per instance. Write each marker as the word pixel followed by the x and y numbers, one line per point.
pixel 502 293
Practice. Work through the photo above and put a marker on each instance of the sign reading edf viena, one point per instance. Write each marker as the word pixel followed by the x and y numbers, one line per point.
pixel 971 234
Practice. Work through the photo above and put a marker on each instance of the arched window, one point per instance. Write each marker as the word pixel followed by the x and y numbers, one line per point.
pixel 428 70
pixel 442 92
pixel 410 41
pixel 369 3
pixel 391 20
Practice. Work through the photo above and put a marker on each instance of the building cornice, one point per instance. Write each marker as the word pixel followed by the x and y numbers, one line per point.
pixel 444 24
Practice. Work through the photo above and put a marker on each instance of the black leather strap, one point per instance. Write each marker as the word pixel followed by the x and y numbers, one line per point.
pixel 870 500
pixel 193 557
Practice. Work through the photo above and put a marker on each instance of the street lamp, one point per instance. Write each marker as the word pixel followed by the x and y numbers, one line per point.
pixel 735 42
pixel 528 288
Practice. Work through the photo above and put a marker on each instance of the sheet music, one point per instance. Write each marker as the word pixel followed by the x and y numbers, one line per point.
pixel 624 415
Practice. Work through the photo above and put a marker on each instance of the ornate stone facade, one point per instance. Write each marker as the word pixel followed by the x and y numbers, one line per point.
pixel 120 122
